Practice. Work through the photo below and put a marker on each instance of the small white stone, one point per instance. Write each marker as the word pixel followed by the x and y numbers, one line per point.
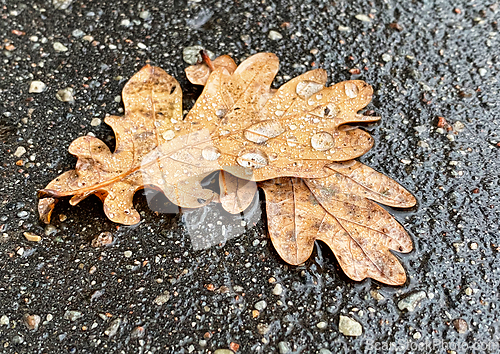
pixel 260 305
pixel 376 295
pixel 275 36
pixel 95 122
pixel 142 45
pixel 65 95
pixel 37 87
pixel 161 299
pixel 278 289
pixel 125 22
pixel 349 327
pixel 4 321
pixel 473 246
pixel 363 18
pixel 411 301
pixel 458 126
pixel 406 161
pixel 386 57
pixel 20 151
pixel 343 28
pixel 127 254
pixel 423 144
pixel 322 325
pixel 59 47
pixel 144 15
pixel 482 71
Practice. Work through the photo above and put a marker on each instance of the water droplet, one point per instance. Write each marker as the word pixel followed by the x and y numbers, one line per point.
pixel 331 111
pixel 168 135
pixel 210 153
pixel 279 113
pixel 291 140
pixel 263 131
pixel 306 89
pixel 253 159
pixel 224 132
pixel 322 141
pixel 351 90
pixel 220 113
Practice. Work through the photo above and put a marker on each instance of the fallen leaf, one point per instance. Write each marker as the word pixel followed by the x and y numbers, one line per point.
pixel 152 99
pixel 228 128
pixel 337 211
pixel 359 232
pixel 294 141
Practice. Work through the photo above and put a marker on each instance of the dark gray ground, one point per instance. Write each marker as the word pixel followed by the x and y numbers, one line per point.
pixel 442 61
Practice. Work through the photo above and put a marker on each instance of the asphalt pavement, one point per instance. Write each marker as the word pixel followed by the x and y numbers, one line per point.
pixel 434 67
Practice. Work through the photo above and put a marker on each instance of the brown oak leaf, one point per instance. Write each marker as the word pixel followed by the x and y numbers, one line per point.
pixel 295 139
pixel 228 128
pixel 338 211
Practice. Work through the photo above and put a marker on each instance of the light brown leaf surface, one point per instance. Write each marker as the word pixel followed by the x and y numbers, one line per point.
pixel 359 232
pixel 152 98
pixel 289 132
pixel 238 124
pixel 236 194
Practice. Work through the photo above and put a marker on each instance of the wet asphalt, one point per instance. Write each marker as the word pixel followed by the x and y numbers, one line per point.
pixel 151 290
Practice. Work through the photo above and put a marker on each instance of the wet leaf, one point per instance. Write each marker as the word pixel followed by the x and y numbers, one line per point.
pixel 157 148
pixel 359 232
pixel 294 140
pixel 145 150
pixel 335 209
pixel 236 193
pixel 291 131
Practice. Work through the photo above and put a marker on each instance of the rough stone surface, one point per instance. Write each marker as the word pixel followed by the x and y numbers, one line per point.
pixel 37 87
pixel 410 302
pixel 349 327
pixel 437 54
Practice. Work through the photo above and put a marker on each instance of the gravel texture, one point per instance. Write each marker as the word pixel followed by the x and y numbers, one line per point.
pixel 147 290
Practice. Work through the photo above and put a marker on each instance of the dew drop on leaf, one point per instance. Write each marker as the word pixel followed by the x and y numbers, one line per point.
pixel 210 153
pixel 220 113
pixel 168 135
pixel 322 141
pixel 351 90
pixel 306 89
pixel 331 111
pixel 253 159
pixel 263 131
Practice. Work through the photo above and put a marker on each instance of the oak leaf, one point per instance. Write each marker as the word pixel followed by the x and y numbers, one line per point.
pixel 338 210
pixel 250 133
pixel 237 124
